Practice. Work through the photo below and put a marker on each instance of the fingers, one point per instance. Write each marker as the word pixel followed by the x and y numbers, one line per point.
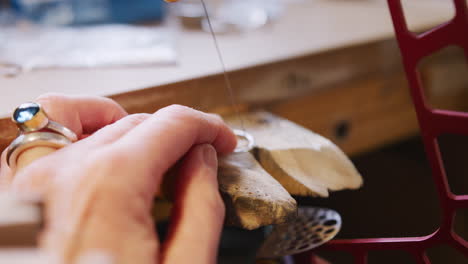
pixel 30 174
pixel 82 114
pixel 161 140
pixel 113 132
pixel 198 213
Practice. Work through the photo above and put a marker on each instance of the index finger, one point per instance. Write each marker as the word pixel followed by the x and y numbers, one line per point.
pixel 161 140
pixel 82 114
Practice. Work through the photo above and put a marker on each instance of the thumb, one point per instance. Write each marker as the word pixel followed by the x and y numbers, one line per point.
pixel 198 214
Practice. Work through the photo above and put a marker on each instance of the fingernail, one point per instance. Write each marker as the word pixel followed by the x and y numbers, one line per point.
pixel 209 156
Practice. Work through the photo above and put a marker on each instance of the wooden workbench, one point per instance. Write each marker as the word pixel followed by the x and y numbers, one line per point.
pixel 327 64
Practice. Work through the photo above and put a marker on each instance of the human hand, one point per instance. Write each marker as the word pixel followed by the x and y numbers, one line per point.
pixel 99 191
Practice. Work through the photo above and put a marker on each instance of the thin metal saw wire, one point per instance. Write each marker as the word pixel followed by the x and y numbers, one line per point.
pixel 227 81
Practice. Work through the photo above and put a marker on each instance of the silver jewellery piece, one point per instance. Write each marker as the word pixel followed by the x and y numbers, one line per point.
pixel 30 117
pixel 245 141
pixel 26 141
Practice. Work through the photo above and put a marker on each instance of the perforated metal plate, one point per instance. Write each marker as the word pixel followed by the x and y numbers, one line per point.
pixel 313 227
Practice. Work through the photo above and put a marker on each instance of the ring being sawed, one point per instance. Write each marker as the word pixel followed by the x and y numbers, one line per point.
pixel 245 141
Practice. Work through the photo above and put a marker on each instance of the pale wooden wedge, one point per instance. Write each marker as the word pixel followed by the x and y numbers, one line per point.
pixel 304 162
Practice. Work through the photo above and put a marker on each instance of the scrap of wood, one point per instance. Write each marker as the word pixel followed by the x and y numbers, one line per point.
pixel 304 162
pixel 20 221
pixel 252 197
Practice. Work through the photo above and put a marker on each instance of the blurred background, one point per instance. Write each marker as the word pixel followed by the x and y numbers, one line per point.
pixel 330 65
pixel 93 33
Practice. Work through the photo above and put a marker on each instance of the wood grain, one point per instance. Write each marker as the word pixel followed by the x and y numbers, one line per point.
pixel 371 111
pixel 252 197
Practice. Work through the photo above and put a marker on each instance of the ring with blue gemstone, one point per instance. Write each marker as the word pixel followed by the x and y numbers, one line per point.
pixel 31 117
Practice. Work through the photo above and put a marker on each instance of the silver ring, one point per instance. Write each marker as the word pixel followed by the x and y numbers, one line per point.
pixel 245 136
pixel 30 117
pixel 26 141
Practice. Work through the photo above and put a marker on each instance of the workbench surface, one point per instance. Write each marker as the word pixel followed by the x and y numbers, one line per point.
pixel 310 27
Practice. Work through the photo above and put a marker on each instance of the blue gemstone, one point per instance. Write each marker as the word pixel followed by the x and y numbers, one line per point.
pixel 25 112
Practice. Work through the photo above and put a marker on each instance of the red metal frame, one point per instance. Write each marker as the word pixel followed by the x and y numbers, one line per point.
pixel 433 123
